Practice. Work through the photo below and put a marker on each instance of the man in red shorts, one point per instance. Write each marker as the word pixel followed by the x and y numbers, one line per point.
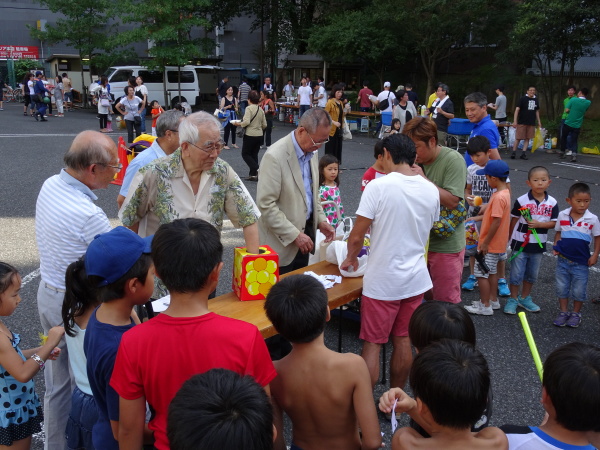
pixel 446 169
pixel 396 277
pixel 526 114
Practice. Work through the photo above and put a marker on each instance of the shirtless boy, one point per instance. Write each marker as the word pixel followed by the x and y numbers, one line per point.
pixel 450 380
pixel 327 395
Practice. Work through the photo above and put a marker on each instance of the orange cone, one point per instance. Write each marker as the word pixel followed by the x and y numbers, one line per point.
pixel 123 160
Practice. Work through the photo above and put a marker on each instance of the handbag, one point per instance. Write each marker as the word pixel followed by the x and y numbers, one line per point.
pixel 241 131
pixel 383 104
pixel 137 120
pixel 449 220
pixel 104 102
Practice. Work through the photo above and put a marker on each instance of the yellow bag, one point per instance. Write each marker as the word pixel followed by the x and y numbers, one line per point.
pixel 591 151
pixel 538 140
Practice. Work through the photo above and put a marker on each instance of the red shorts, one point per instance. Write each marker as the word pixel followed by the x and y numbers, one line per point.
pixel 380 318
pixel 445 270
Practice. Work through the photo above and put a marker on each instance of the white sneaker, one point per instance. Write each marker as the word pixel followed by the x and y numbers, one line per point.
pixel 478 308
pixel 568 153
pixel 496 304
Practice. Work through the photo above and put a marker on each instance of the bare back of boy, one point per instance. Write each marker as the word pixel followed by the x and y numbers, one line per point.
pixel 327 395
pixel 491 438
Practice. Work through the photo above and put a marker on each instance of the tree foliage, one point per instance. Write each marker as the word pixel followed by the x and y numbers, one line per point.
pixel 85 26
pixel 354 37
pixel 554 30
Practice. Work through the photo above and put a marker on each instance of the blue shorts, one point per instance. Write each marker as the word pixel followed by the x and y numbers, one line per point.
pixel 571 278
pixel 525 267
pixel 83 416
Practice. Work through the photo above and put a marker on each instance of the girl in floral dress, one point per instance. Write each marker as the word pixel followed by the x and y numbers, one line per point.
pixel 329 190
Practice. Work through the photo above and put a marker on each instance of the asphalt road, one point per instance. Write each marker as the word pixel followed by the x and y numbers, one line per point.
pixel 32 151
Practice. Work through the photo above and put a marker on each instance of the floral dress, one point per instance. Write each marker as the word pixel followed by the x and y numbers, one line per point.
pixel 328 194
pixel 20 410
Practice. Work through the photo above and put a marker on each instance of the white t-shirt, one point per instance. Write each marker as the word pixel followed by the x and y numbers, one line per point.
pixel 403 209
pixel 304 94
pixel 30 85
pixel 384 95
pixel 532 438
pixel 322 101
pixel 142 90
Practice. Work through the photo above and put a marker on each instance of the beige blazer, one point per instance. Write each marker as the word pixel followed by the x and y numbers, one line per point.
pixel 282 201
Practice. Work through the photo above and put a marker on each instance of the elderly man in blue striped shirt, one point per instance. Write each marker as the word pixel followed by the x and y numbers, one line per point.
pixel 66 221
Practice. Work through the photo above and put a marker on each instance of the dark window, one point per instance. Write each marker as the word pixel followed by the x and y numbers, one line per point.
pixel 151 76
pixel 187 76
pixel 121 75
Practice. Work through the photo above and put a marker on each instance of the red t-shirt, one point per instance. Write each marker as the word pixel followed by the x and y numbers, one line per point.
pixel 158 356
pixel 369 176
pixel 156 111
pixel 363 96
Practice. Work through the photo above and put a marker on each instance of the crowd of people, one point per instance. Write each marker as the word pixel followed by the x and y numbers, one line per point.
pixel 191 379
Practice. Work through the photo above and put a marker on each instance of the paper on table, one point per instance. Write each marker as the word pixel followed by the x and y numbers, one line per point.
pixel 328 281
pixel 161 304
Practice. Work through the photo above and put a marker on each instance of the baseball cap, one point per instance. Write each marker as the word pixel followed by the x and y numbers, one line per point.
pixel 495 168
pixel 387 84
pixel 111 255
pixel 38 73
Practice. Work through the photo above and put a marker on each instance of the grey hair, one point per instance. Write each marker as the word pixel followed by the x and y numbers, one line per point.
pixel 444 88
pixel 88 149
pixel 190 125
pixel 169 120
pixel 476 97
pixel 315 118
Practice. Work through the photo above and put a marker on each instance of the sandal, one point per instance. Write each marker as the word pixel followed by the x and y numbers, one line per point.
pixel 235 146
pixel 226 148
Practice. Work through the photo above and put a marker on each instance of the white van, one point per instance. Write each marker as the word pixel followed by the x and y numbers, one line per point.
pixel 155 83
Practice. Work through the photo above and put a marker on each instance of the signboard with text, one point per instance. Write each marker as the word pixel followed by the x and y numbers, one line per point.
pixel 18 52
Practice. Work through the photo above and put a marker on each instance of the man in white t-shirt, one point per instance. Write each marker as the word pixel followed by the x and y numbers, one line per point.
pixel 396 277
pixel 386 94
pixel 304 97
pixel 319 95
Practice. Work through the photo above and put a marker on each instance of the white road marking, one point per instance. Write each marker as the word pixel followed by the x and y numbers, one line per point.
pixel 578 166
pixel 30 277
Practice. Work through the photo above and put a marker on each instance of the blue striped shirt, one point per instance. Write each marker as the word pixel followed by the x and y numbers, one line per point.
pixel 66 221
pixel 576 235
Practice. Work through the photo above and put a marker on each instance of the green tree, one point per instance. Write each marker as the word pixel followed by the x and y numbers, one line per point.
pixel 554 30
pixel 85 26
pixel 23 67
pixel 439 29
pixel 173 28
pixel 360 42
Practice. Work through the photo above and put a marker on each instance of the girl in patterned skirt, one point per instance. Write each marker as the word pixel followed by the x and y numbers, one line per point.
pixel 20 409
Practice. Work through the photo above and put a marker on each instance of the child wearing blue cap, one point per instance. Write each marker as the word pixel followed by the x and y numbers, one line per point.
pixel 493 238
pixel 118 264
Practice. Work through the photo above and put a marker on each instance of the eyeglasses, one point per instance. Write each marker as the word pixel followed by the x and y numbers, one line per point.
pixel 210 146
pixel 118 167
pixel 317 144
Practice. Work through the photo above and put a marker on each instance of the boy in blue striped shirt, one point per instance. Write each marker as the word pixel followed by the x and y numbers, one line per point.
pixel 576 228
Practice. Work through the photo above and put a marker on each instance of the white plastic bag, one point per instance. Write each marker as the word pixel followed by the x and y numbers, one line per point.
pixel 336 254
pixel 346 129
pixel 320 249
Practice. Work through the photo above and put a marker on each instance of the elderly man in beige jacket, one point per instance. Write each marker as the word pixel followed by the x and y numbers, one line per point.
pixel 288 192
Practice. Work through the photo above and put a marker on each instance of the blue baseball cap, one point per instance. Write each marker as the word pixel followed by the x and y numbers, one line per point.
pixel 111 255
pixel 38 73
pixel 495 168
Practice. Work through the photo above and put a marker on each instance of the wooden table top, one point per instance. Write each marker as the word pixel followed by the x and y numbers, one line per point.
pixel 363 114
pixel 286 105
pixel 252 311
